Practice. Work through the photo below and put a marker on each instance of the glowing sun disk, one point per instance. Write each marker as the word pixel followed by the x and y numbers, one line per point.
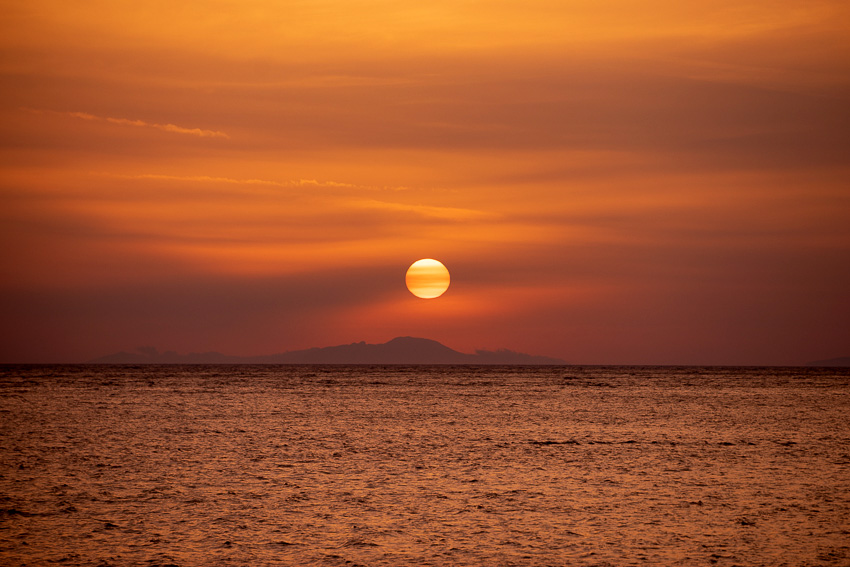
pixel 427 278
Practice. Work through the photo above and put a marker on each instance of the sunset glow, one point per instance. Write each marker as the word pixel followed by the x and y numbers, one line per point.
pixel 656 182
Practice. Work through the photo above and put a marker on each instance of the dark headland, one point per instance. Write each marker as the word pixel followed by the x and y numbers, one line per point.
pixel 401 350
pixel 841 361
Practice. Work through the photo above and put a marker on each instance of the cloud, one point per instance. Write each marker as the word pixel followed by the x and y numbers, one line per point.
pixel 292 183
pixel 428 211
pixel 140 123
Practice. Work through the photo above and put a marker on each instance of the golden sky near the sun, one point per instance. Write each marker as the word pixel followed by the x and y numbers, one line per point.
pixel 651 181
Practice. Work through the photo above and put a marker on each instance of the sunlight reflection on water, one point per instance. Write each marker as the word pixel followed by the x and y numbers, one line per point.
pixel 301 465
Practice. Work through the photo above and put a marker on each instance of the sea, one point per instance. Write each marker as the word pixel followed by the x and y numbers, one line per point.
pixel 349 466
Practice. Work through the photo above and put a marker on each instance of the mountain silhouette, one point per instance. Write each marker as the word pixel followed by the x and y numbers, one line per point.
pixel 400 350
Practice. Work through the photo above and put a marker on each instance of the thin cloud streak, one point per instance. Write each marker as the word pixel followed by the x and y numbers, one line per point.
pixel 230 180
pixel 139 123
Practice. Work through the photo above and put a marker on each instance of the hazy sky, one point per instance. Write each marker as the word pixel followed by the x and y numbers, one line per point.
pixel 650 181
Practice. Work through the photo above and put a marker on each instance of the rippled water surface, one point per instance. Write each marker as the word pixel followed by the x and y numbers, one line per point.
pixel 343 466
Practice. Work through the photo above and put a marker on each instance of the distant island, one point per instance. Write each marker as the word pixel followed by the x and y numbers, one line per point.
pixel 841 361
pixel 401 350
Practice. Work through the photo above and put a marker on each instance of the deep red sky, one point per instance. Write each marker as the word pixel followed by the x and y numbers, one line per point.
pixel 658 182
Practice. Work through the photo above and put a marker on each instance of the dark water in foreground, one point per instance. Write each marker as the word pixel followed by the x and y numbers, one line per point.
pixel 343 466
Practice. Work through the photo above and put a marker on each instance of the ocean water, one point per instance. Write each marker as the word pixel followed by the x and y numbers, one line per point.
pixel 344 466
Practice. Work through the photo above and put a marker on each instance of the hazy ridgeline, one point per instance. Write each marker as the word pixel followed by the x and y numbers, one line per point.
pixel 427 465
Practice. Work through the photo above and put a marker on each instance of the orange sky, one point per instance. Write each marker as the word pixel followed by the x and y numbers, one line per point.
pixel 654 182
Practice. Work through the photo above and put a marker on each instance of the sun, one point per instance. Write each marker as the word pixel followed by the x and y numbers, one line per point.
pixel 427 278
